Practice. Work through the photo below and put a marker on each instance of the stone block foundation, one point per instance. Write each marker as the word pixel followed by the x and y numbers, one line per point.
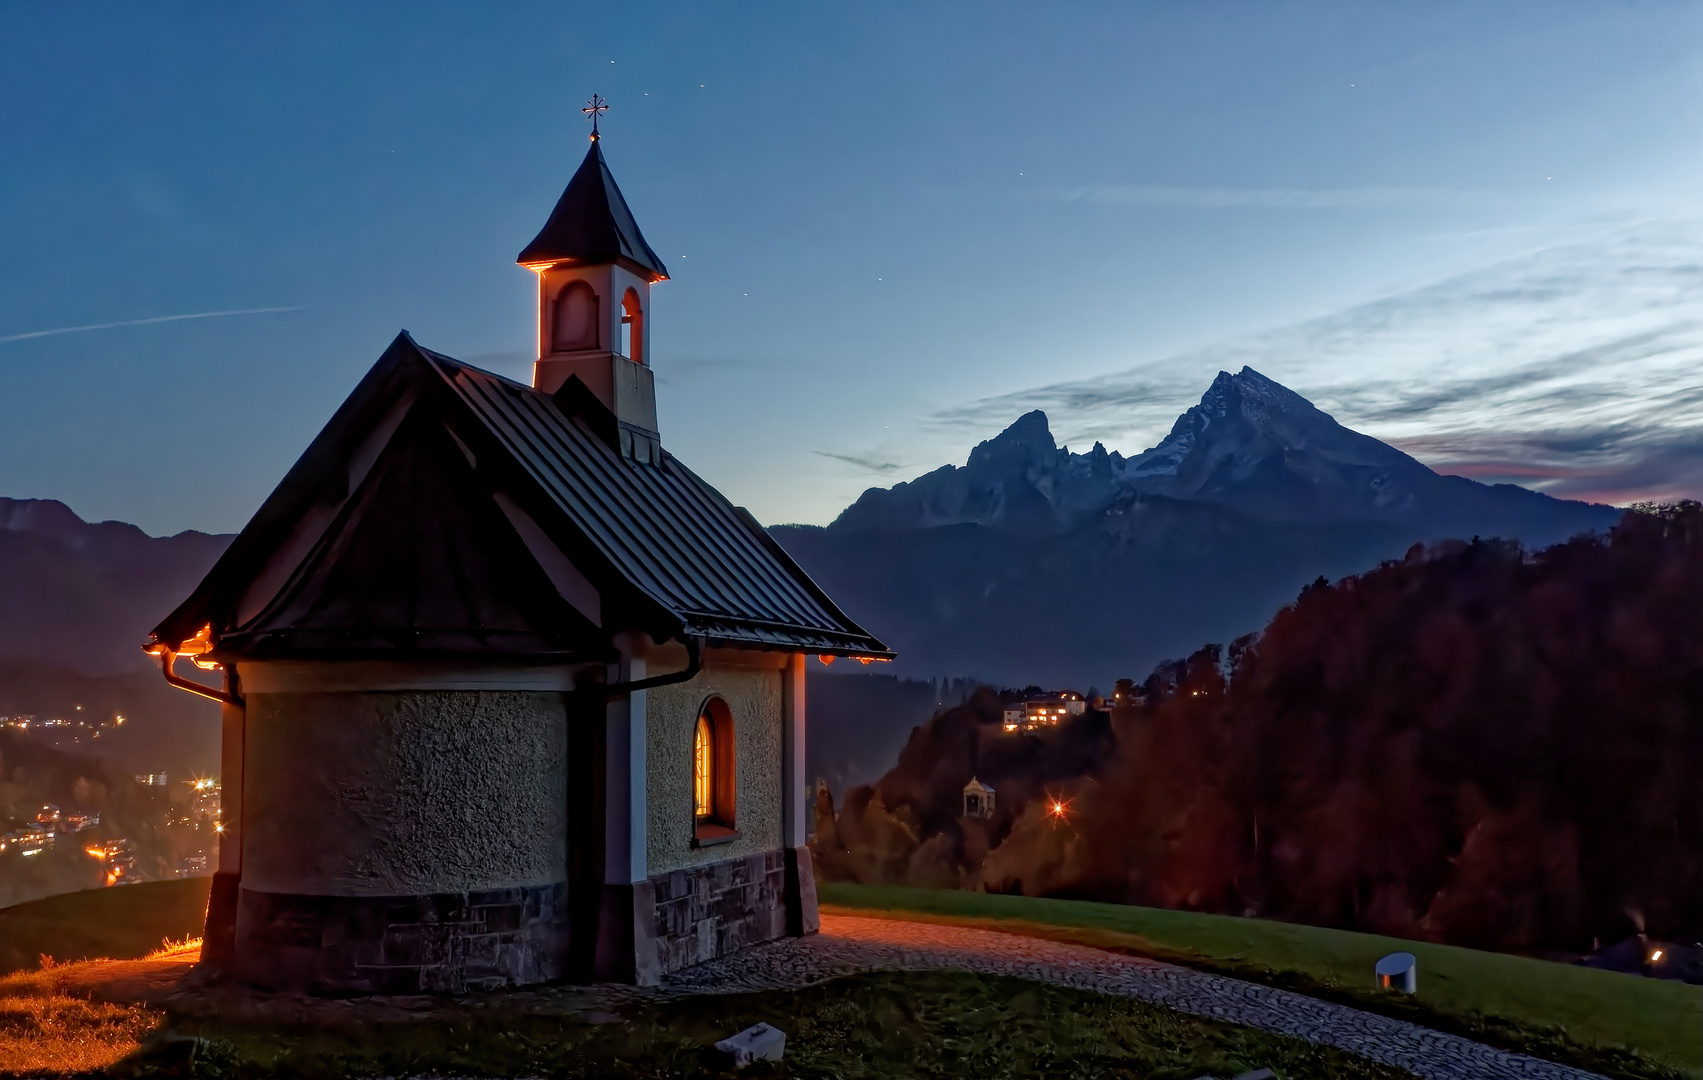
pixel 707 912
pixel 441 943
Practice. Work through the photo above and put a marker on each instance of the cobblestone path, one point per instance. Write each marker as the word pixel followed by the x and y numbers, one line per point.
pixel 850 944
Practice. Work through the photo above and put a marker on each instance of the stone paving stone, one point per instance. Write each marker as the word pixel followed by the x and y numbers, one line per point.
pixel 849 944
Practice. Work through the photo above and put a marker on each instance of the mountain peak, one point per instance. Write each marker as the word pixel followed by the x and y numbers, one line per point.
pixel 1028 441
pixel 1251 394
pixel 1251 443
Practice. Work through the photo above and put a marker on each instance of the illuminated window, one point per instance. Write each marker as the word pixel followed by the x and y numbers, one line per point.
pixel 703 770
pixel 712 775
pixel 574 322
pixel 632 327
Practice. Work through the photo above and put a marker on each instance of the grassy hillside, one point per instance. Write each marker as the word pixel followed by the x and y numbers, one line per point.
pixel 1597 1019
pixel 121 923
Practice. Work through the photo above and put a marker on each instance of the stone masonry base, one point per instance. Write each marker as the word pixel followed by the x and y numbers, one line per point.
pixel 445 943
pixel 457 942
pixel 708 912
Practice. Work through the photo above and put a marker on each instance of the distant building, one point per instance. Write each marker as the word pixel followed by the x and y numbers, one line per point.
pixel 1047 711
pixel 120 860
pixel 153 779
pixel 978 799
pixel 1127 695
pixel 34 840
pixel 48 816
pixel 76 821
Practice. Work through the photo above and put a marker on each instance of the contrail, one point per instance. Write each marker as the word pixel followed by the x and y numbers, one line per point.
pixel 145 322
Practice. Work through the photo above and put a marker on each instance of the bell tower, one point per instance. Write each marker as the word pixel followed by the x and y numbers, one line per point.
pixel 594 277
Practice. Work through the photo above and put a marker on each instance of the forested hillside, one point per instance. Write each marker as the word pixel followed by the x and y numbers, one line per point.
pixel 1475 744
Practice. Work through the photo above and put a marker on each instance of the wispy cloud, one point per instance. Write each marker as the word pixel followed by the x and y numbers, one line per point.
pixel 868 464
pixel 1617 465
pixel 1272 198
pixel 1576 370
pixel 56 331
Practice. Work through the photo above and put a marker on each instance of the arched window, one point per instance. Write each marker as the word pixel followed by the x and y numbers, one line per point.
pixel 574 323
pixel 703 770
pixel 712 775
pixel 632 327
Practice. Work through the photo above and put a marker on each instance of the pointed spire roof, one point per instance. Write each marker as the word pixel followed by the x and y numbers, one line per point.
pixel 591 224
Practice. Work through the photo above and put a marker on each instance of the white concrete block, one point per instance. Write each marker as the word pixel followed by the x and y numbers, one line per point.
pixel 758 1043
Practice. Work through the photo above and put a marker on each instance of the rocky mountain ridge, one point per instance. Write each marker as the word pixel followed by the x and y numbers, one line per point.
pixel 1033 563
pixel 1251 444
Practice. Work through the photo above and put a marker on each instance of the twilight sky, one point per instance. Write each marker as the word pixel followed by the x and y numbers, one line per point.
pixel 1472 229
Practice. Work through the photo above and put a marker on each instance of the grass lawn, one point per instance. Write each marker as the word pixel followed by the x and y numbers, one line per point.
pixel 1617 1024
pixel 876 1026
pixel 121 923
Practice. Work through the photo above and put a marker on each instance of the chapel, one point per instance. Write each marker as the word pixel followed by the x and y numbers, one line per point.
pixel 509 694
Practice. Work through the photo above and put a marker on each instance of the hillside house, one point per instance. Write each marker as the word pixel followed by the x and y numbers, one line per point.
pixel 1049 710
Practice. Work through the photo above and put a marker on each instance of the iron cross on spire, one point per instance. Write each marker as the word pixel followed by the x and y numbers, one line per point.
pixel 592 108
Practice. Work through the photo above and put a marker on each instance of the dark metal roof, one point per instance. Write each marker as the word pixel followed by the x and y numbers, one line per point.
pixel 591 224
pixel 673 537
pixel 418 558
pixel 668 554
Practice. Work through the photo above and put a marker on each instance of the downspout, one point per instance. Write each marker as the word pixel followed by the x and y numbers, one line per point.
pixel 168 657
pixel 694 664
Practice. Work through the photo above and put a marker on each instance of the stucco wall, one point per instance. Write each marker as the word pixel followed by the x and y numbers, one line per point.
pixel 753 695
pixel 404 794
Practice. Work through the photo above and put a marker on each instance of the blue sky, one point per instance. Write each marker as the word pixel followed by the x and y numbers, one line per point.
pixel 1471 228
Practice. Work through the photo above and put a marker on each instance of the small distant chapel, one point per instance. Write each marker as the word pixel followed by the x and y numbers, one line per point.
pixel 509 693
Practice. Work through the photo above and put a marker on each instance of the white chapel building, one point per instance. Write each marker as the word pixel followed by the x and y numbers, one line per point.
pixel 510 694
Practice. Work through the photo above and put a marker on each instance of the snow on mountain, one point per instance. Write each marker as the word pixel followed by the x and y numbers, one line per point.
pixel 1250 443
